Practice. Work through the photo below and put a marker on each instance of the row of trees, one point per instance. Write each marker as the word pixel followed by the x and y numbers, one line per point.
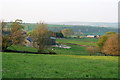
pixel 63 33
pixel 15 35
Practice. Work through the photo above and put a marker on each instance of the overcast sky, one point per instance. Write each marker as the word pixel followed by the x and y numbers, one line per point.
pixel 59 10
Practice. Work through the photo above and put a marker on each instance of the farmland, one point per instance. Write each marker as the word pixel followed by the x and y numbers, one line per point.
pixel 75 50
pixel 18 65
pixel 78 41
pixel 59 39
pixel 86 29
pixel 68 63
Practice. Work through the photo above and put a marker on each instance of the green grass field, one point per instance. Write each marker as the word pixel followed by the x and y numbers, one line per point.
pixel 86 39
pixel 22 48
pixel 78 41
pixel 75 50
pixel 19 65
pixel 67 63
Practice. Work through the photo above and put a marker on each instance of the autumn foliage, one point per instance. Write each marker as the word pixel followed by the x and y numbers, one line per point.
pixel 111 46
pixel 17 32
pixel 12 35
pixel 92 50
pixel 67 32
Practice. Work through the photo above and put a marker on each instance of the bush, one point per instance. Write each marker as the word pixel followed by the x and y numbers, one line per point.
pixel 92 50
pixel 111 46
pixel 103 39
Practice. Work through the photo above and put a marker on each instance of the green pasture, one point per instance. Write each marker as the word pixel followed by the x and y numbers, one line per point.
pixel 74 50
pixel 77 41
pixel 85 39
pixel 22 48
pixel 19 65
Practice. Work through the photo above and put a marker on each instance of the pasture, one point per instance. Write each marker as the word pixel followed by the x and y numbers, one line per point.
pixel 87 42
pixel 19 65
pixel 67 63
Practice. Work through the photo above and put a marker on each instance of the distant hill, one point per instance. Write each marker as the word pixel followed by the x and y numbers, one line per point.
pixel 99 24
pixel 78 29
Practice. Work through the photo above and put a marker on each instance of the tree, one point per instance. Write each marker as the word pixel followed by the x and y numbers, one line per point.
pixel 17 32
pixel 41 36
pixel 103 39
pixel 110 32
pixel 6 38
pixel 111 46
pixel 67 32
pixel 57 34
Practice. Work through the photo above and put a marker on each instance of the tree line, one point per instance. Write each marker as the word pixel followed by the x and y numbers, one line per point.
pixel 16 35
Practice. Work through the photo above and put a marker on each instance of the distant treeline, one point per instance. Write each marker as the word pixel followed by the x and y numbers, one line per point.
pixel 78 29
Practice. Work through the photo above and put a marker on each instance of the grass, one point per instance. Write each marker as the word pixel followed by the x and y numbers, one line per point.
pixel 18 65
pixel 86 39
pixel 76 41
pixel 22 48
pixel 75 50
pixel 68 63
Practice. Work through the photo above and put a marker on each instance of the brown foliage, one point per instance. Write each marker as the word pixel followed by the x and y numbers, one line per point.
pixel 103 39
pixel 11 35
pixel 4 39
pixel 17 32
pixel 92 50
pixel 111 46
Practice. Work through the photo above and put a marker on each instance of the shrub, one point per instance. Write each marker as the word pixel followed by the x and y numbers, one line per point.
pixel 103 39
pixel 92 50
pixel 111 46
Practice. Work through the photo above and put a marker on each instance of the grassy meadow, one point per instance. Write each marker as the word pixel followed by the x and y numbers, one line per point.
pixel 87 42
pixel 67 63
pixel 18 65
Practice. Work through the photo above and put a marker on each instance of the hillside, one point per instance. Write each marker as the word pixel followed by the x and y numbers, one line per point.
pixel 76 28
pixel 85 29
pixel 99 24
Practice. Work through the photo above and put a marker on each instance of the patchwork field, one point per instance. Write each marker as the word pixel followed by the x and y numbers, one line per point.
pixel 19 65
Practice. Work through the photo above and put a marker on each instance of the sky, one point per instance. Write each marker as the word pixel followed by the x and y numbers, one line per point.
pixel 59 10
